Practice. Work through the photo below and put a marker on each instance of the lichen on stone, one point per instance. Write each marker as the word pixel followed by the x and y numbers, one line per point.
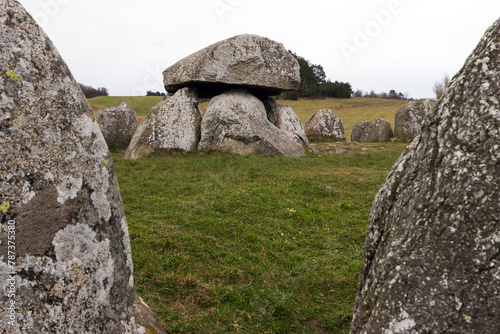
pixel 13 76
pixel 5 206
pixel 432 245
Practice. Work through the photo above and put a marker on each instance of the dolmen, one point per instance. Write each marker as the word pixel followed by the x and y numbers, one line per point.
pixel 65 257
pixel 239 75
pixel 431 260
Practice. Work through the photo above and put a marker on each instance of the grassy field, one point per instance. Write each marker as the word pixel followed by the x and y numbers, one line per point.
pixel 350 111
pixel 141 104
pixel 230 244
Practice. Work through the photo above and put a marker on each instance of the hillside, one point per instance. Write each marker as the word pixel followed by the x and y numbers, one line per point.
pixel 350 111
pixel 141 104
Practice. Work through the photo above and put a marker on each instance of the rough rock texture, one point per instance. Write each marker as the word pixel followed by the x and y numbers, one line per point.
pixel 370 131
pixel 146 317
pixel 118 124
pixel 324 123
pixel 173 124
pixel 409 118
pixel 258 64
pixel 236 122
pixel 432 254
pixel 73 265
pixel 284 118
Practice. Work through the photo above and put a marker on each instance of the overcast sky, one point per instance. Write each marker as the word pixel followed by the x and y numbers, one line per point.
pixel 404 45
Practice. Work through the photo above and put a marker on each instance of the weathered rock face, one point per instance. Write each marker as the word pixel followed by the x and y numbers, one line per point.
pixel 371 131
pixel 284 118
pixel 118 124
pixel 258 64
pixel 236 122
pixel 431 260
pixel 72 269
pixel 409 118
pixel 173 124
pixel 324 123
pixel 146 317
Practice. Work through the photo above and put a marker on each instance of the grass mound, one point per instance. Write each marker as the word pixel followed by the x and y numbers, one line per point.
pixel 232 244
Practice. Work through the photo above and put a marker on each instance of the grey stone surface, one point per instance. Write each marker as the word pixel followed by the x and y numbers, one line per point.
pixel 73 265
pixel 118 124
pixel 372 131
pixel 146 317
pixel 409 118
pixel 325 124
pixel 236 122
pixel 173 124
pixel 284 118
pixel 258 64
pixel 431 261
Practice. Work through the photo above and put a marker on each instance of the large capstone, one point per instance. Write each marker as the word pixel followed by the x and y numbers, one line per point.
pixel 118 124
pixel 431 261
pixel 372 131
pixel 70 263
pixel 258 64
pixel 409 118
pixel 236 122
pixel 173 124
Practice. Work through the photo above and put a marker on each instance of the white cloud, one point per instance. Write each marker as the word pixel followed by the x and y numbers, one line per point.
pixel 117 44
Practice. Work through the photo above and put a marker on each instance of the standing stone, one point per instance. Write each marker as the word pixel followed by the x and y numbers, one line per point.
pixel 325 124
pixel 409 118
pixel 284 118
pixel 118 125
pixel 173 124
pixel 72 266
pixel 236 122
pixel 257 64
pixel 432 255
pixel 372 131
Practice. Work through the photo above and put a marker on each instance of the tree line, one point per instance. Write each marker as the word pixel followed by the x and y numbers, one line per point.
pixel 151 93
pixel 314 83
pixel 91 92
pixel 392 95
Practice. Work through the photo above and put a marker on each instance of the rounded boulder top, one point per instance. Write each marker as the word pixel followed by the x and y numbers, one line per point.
pixel 257 64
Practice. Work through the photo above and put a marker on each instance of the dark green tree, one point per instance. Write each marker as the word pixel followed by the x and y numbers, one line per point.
pixel 313 82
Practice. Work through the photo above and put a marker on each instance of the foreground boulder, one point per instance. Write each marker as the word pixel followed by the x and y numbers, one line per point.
pixel 284 118
pixel 118 125
pixel 431 261
pixel 325 124
pixel 372 131
pixel 409 118
pixel 145 317
pixel 173 124
pixel 236 122
pixel 258 64
pixel 70 265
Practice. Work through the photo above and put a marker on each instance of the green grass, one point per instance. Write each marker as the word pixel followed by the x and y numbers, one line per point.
pixel 231 244
pixel 141 104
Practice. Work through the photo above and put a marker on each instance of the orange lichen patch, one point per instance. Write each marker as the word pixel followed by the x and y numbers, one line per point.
pixel 95 110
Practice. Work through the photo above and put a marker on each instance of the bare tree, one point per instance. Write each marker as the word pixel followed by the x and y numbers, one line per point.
pixel 440 86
